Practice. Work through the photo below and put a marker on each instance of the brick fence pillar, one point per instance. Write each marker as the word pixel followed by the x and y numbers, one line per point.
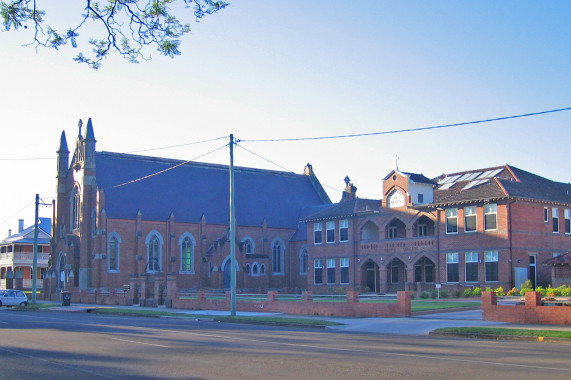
pixel 533 299
pixel 307 296
pixel 404 300
pixel 272 296
pixel 352 296
pixel 489 298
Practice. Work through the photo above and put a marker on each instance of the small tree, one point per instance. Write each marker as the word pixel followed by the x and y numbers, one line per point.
pixel 125 26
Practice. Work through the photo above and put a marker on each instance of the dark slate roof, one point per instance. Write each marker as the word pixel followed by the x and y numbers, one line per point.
pixel 419 178
pixel 26 236
pixel 504 182
pixel 194 189
pixel 345 209
pixel 564 259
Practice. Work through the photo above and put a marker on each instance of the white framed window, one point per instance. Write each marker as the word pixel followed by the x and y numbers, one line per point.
pixel 392 232
pixel 491 216
pixel 344 230
pixel 452 261
pixel 471 262
pixel 421 229
pixel 331 271
pixel 186 245
pixel 491 259
pixel 248 245
pixel 330 232
pixel 317 233
pixel 555 217
pixel 470 219
pixel 546 214
pixel 452 221
pixel 318 272
pixel 344 268
pixel 567 214
pixel 154 242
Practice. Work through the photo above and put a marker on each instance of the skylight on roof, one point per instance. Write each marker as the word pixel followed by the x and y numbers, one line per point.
pixel 446 186
pixel 475 183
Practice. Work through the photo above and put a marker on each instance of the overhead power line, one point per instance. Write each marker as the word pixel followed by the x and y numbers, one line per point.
pixel 408 130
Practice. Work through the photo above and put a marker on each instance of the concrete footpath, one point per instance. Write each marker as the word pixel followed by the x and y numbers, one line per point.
pixel 415 325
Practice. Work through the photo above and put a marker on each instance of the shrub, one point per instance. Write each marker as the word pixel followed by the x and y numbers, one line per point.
pixel 527 284
pixel 468 292
pixel 433 293
pixel 513 292
pixel 425 295
pixel 443 293
pixel 457 293
pixel 525 290
pixel 566 292
pixel 541 290
pixel 500 291
pixel 477 292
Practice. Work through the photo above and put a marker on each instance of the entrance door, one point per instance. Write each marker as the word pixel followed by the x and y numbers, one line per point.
pixel 227 275
pixel 371 277
pixel 533 269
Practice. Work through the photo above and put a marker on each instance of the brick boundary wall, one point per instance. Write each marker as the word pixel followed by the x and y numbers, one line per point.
pixel 350 308
pixel 533 312
pixel 306 306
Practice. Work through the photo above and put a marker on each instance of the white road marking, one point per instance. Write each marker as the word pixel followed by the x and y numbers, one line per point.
pixel 133 341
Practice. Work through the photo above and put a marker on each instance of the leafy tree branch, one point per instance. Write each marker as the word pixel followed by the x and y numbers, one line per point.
pixel 127 27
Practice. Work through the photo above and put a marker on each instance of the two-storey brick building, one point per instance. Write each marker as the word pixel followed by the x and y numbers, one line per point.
pixel 487 227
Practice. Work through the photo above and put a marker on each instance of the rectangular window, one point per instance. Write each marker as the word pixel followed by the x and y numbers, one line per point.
pixel 555 216
pixel 331 271
pixel 491 216
pixel 546 214
pixel 318 272
pixel 568 221
pixel 330 233
pixel 394 273
pixel 420 198
pixel 317 236
pixel 344 230
pixel 471 266
pixel 452 267
pixel 344 264
pixel 451 220
pixel 470 218
pixel 421 230
pixel 491 262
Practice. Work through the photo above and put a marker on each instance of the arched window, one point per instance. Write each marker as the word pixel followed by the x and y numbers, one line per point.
pixel 154 243
pixel 255 269
pixel 113 252
pixel 278 248
pixel 248 245
pixel 75 207
pixel 303 261
pixel 262 269
pixel 247 269
pixel 187 244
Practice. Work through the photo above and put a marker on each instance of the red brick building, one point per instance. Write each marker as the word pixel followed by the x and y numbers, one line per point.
pixel 140 223
pixel 487 227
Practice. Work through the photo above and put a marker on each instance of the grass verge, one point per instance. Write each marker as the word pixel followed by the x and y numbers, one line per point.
pixel 498 331
pixel 422 305
pixel 245 319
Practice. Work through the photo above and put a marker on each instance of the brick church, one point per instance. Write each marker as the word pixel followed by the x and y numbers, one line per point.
pixel 147 228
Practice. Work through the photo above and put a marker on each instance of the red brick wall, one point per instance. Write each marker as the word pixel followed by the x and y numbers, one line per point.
pixel 530 313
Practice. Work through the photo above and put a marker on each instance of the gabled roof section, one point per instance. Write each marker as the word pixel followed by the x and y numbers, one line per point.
pixel 26 236
pixel 194 189
pixel 345 209
pixel 414 177
pixel 563 259
pixel 496 183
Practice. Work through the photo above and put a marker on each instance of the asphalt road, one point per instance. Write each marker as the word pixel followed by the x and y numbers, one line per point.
pixel 60 345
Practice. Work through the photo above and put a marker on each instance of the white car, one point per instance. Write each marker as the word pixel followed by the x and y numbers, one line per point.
pixel 13 298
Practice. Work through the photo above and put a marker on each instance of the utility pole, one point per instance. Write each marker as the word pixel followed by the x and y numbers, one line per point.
pixel 35 257
pixel 232 233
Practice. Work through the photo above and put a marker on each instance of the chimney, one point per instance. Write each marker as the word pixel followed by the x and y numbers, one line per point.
pixel 349 193
pixel 20 225
pixel 9 232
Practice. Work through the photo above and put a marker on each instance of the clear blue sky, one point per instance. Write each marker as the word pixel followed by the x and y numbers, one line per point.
pixel 284 69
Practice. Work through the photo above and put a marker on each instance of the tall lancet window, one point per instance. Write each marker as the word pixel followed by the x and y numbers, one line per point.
pixel 75 207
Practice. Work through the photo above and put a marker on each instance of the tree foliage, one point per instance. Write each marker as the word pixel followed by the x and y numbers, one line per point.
pixel 125 26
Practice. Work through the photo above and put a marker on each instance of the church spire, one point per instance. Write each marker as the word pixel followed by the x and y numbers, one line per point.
pixel 63 156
